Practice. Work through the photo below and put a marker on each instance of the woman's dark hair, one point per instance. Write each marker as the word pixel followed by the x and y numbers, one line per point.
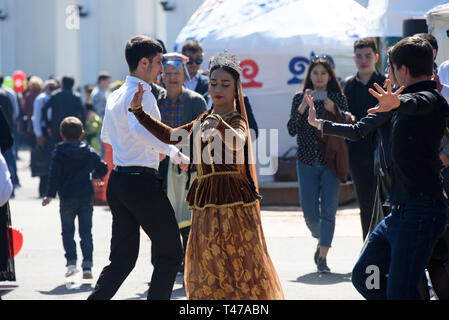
pixel 332 85
pixel 236 76
pixel 141 47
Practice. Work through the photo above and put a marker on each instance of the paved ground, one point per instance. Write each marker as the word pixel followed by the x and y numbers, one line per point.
pixel 40 266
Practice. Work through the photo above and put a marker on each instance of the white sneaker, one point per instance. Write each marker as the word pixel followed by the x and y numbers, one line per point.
pixel 71 270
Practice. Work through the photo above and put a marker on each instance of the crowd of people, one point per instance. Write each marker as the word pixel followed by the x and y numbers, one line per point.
pixel 171 126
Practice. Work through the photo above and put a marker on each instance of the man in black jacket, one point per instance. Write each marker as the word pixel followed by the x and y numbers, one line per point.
pixel 361 153
pixel 399 248
pixel 62 103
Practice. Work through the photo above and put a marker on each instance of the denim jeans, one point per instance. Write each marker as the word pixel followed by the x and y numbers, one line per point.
pixel 398 250
pixel 318 194
pixel 69 209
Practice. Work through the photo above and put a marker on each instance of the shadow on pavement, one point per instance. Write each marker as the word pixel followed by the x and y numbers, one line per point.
pixel 62 290
pixel 315 278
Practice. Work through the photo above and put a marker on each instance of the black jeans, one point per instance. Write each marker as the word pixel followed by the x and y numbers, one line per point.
pixel 365 182
pixel 137 200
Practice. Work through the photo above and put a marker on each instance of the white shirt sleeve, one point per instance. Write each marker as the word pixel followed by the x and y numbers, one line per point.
pixel 5 182
pixel 37 114
pixel 445 92
pixel 139 131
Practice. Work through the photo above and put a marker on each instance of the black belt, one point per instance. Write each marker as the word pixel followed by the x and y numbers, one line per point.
pixel 134 169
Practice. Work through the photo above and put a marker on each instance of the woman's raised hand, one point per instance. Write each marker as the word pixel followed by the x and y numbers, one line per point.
pixel 136 102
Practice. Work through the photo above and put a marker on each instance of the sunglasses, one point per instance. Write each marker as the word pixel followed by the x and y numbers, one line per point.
pixel 324 57
pixel 197 61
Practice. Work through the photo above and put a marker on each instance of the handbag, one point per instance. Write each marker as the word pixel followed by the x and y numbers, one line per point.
pixel 287 166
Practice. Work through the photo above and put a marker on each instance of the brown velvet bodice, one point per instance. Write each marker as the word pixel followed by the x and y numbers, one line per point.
pixel 221 178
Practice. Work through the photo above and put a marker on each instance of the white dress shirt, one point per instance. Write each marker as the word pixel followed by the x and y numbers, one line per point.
pixel 443 74
pixel 192 84
pixel 5 182
pixel 132 144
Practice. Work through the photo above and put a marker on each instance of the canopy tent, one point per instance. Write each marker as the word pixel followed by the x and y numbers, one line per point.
pixel 275 41
pixel 385 17
pixel 438 22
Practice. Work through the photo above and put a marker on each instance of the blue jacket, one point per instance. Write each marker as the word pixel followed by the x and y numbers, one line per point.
pixel 72 167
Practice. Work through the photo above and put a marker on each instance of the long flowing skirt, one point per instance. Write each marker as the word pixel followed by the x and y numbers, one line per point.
pixel 227 257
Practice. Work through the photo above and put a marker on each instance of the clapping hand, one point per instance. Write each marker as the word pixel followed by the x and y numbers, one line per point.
pixel 136 102
pixel 387 99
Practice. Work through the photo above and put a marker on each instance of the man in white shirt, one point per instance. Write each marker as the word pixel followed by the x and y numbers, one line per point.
pixel 134 191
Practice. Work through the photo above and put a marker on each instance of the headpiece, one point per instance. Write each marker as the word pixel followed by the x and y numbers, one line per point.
pixel 225 59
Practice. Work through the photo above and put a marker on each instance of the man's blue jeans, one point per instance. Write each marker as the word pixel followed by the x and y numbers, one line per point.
pixel 69 209
pixel 398 250
pixel 318 194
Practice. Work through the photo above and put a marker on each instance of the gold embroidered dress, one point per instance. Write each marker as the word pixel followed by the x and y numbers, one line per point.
pixel 226 255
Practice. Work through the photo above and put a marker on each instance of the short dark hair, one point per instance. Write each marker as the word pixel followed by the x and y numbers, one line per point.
pixel 140 47
pixel 68 82
pixel 416 54
pixel 365 43
pixel 1 79
pixel 433 41
pixel 71 128
pixel 103 76
pixel 192 46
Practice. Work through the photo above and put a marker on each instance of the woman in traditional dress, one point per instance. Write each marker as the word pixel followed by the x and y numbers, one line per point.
pixel 226 256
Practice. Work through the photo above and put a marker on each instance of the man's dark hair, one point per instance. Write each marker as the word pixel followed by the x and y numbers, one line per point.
pixel 1 79
pixel 433 41
pixel 416 54
pixel 71 128
pixel 103 76
pixel 68 82
pixel 191 46
pixel 365 43
pixel 141 47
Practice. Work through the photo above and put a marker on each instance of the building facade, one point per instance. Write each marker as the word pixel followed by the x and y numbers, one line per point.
pixel 81 38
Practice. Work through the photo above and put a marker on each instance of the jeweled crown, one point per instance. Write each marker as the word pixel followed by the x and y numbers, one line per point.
pixel 225 59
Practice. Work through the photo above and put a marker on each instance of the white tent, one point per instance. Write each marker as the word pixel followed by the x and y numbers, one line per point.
pixel 438 22
pixel 275 40
pixel 385 17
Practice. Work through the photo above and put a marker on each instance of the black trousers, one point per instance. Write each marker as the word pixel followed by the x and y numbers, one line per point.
pixel 365 182
pixel 137 200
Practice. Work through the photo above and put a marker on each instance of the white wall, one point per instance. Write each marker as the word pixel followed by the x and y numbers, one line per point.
pixel 36 38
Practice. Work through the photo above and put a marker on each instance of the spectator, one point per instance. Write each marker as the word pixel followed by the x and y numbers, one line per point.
pixel 93 122
pixel 179 107
pixel 100 93
pixel 318 175
pixel 196 81
pixel 361 153
pixel 42 148
pixel 62 103
pixel 71 167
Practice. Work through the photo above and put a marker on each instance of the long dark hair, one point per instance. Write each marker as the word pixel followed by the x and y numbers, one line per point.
pixel 332 85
